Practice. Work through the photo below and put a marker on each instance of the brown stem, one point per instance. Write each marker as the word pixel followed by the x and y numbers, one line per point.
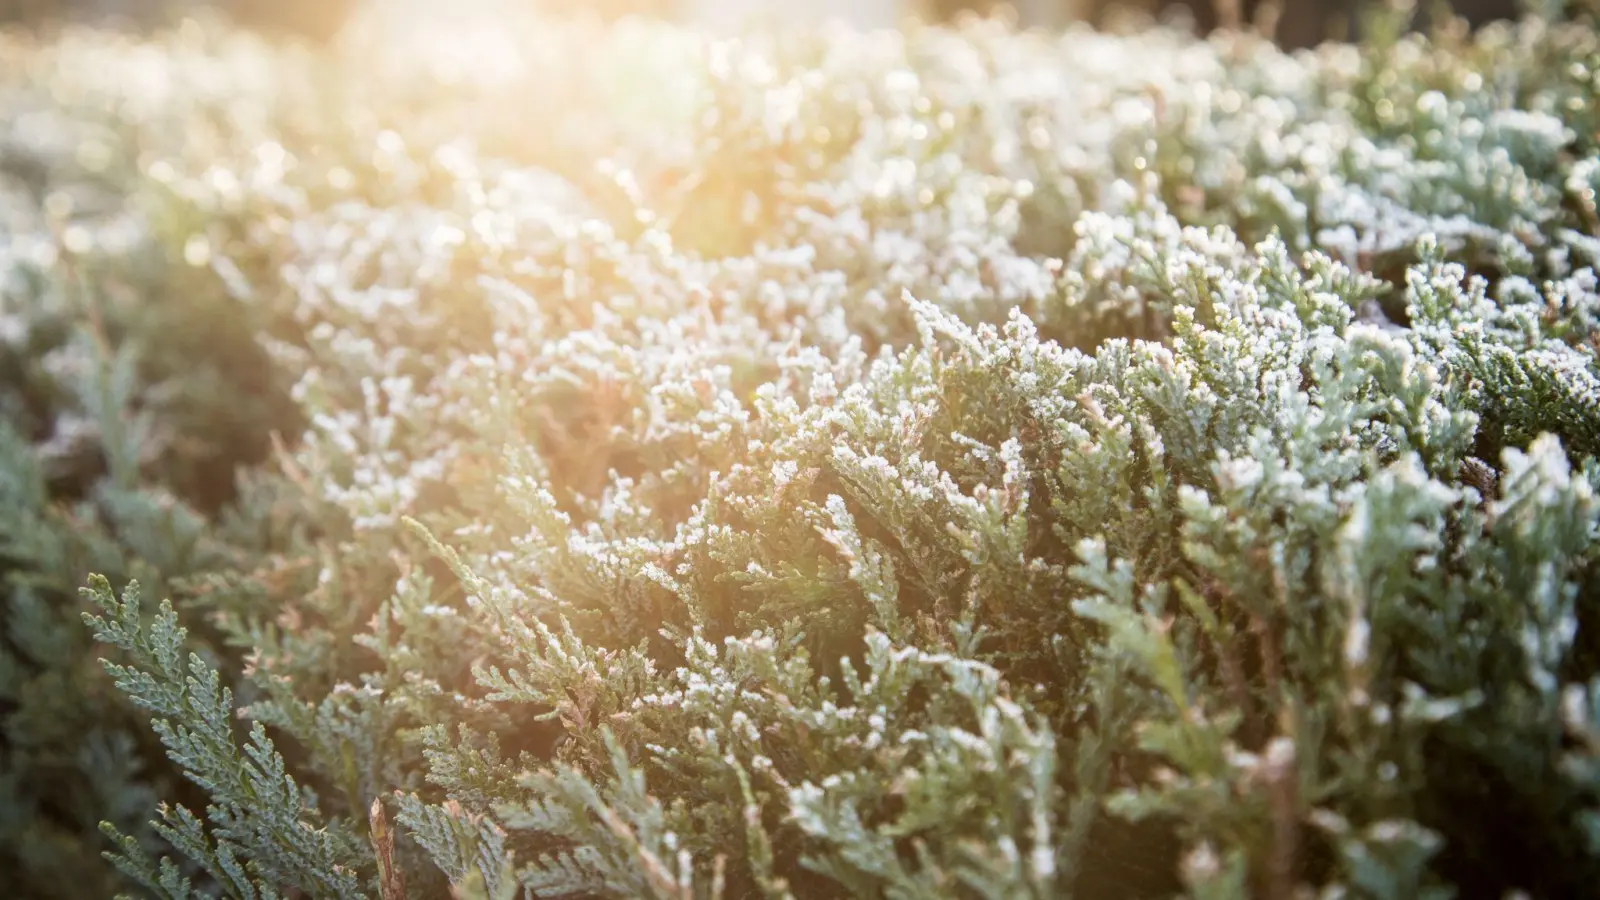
pixel 1284 798
pixel 1233 676
pixel 391 880
pixel 1229 15
pixel 1268 14
pixel 1271 651
pixel 1281 770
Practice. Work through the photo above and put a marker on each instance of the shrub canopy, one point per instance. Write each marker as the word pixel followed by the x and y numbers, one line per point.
pixel 608 461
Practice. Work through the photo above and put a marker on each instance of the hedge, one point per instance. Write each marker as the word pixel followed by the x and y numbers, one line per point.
pixel 498 456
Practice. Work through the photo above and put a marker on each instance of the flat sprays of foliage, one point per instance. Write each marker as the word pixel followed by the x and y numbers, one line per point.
pixel 608 461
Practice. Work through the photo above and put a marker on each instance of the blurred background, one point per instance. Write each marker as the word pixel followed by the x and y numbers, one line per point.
pixel 1294 23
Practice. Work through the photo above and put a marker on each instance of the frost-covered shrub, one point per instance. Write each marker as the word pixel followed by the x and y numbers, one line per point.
pixel 949 463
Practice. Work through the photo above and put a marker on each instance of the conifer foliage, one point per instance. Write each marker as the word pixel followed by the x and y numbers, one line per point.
pixel 506 457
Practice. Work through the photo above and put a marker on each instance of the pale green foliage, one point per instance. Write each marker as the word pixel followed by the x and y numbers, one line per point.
pixel 264 834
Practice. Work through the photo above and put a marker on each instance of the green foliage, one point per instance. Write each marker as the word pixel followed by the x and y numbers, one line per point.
pixel 128 397
pixel 256 851
pixel 950 463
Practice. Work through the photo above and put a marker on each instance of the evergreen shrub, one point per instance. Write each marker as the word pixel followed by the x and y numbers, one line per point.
pixel 602 460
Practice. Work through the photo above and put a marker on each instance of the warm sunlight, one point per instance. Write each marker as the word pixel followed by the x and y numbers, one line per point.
pixel 747 450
